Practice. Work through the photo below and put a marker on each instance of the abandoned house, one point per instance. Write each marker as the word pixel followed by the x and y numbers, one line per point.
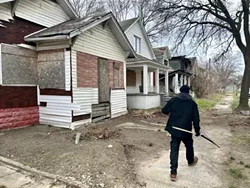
pixel 181 74
pixel 143 85
pixel 58 69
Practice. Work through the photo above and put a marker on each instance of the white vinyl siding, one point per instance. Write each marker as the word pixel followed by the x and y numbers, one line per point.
pixel 42 12
pixel 58 111
pixel 74 68
pixel 100 42
pixel 5 12
pixel 53 45
pixel 67 71
pixel 84 97
pixel 118 102
pixel 136 30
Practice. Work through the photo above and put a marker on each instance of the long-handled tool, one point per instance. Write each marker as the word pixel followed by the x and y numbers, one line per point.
pixel 202 135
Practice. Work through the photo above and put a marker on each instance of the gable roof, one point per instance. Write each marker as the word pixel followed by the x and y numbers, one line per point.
pixel 161 52
pixel 64 4
pixel 72 28
pixel 127 24
pixel 66 28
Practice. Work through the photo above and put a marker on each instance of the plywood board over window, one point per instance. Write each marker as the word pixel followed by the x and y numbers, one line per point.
pixel 103 80
pixel 131 78
pixel 117 74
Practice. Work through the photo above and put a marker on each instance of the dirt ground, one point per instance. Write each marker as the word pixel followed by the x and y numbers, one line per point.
pixel 92 161
pixel 111 156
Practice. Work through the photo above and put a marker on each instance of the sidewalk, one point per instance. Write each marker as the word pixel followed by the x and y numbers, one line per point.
pixel 209 171
pixel 11 177
pixel 224 107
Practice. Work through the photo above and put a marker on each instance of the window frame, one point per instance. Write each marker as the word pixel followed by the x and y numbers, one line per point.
pixel 137 44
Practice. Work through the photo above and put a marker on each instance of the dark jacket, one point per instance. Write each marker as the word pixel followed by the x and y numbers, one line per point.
pixel 182 111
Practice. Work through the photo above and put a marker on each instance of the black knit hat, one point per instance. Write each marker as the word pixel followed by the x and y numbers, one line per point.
pixel 184 89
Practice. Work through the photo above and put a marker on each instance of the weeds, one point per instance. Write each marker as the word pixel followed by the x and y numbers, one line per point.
pixel 235 102
pixel 236 173
pixel 210 102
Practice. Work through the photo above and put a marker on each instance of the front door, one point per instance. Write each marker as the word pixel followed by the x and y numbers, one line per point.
pixel 103 80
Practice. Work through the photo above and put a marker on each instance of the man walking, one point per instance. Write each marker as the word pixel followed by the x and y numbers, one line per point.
pixel 183 112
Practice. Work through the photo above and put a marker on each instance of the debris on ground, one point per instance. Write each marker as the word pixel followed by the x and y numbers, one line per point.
pixel 100 133
pixel 78 136
pixel 239 121
pixel 147 114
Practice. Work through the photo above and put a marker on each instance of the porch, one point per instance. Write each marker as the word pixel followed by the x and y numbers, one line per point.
pixel 177 79
pixel 143 84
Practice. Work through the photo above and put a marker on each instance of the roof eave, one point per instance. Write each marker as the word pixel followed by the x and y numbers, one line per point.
pixel 132 25
pixel 123 35
pixel 60 37
pixel 67 7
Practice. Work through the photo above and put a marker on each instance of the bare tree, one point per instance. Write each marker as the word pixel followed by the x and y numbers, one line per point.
pixel 145 9
pixel 88 7
pixel 204 81
pixel 120 8
pixel 212 23
pixel 225 68
pixel 152 19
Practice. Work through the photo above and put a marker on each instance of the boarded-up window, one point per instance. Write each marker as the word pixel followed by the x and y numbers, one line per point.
pixel 116 68
pixel 131 78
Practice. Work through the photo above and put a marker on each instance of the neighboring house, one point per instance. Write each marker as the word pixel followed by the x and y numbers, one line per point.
pixel 18 65
pixel 182 72
pixel 143 90
pixel 73 69
pixel 163 56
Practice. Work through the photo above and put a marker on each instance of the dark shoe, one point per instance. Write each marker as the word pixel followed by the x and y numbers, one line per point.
pixel 173 177
pixel 194 162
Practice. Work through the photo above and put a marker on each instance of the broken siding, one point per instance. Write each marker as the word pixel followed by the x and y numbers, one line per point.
pixel 118 102
pixel 85 97
pixel 136 30
pixel 42 12
pixel 58 110
pixel 100 42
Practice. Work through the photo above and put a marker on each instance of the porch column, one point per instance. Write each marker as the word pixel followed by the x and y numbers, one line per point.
pixel 185 80
pixel 166 82
pixel 176 84
pixel 157 81
pixel 138 78
pixel 189 81
pixel 145 79
pixel 182 80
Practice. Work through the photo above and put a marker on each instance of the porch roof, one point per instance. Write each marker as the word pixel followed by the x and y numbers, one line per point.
pixel 140 61
pixel 180 72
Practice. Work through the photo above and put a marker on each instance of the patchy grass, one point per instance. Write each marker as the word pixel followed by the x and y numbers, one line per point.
pixel 236 173
pixel 235 101
pixel 232 186
pixel 209 102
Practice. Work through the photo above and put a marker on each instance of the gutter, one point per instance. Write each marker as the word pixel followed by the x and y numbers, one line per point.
pixel 47 38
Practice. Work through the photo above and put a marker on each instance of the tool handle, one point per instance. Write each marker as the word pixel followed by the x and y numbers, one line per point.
pixel 184 130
